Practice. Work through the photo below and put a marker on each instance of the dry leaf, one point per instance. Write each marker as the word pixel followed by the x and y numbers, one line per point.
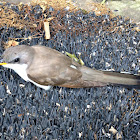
pixel 11 43
pixel 119 135
pixel 113 130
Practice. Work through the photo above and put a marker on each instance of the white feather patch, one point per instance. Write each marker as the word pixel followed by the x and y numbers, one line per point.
pixel 72 66
pixel 20 69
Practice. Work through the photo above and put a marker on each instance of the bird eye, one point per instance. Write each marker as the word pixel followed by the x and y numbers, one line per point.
pixel 16 60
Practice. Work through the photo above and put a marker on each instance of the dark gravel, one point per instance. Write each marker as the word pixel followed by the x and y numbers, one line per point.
pixel 28 112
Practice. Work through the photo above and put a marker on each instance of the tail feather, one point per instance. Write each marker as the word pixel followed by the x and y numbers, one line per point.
pixel 109 77
pixel 121 78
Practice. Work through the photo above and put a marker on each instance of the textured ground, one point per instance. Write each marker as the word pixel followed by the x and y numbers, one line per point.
pixel 28 112
pixel 126 8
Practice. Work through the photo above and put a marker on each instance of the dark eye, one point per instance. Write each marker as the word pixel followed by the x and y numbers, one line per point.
pixel 16 60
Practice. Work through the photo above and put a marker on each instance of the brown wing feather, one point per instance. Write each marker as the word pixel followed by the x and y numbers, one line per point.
pixel 57 69
pixel 53 69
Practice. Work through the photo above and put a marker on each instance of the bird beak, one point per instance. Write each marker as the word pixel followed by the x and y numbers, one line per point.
pixel 2 63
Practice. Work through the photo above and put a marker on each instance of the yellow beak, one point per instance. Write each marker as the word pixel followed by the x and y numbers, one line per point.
pixel 3 63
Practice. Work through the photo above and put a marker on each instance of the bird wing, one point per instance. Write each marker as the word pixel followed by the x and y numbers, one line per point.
pixel 50 67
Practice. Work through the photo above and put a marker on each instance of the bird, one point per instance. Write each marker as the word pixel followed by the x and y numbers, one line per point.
pixel 46 67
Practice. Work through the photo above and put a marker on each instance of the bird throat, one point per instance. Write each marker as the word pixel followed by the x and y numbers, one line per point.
pixel 20 69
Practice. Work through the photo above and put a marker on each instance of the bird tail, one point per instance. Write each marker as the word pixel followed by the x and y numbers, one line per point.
pixel 128 80
pixel 102 78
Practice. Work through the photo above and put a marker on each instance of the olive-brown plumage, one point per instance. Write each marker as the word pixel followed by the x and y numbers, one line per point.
pixel 46 66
